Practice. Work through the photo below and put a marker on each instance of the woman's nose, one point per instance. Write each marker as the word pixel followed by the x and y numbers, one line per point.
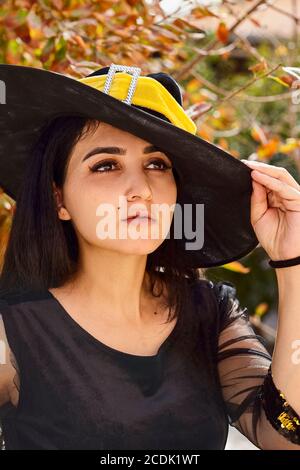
pixel 138 187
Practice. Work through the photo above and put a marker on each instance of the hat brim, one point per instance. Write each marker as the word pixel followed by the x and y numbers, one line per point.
pixel 208 175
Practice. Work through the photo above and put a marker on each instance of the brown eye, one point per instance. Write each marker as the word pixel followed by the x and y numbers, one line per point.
pixel 106 166
pixel 102 165
pixel 162 163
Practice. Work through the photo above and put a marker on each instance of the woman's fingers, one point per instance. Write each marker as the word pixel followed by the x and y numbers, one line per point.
pixel 277 172
pixel 278 184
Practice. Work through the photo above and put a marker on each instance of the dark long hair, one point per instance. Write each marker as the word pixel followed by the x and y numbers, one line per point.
pixel 42 250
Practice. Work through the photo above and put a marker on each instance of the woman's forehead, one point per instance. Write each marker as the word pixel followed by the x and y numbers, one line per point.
pixel 104 135
pixel 106 132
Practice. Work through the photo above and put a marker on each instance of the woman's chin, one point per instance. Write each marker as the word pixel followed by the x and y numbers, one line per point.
pixel 133 247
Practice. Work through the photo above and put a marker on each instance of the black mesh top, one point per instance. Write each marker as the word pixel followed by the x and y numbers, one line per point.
pixel 79 393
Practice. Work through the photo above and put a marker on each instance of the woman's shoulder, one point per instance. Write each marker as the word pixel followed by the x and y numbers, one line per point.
pixel 16 296
pixel 217 301
pixel 20 311
pixel 222 289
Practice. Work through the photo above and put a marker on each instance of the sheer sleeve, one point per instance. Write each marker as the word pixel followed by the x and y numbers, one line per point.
pixel 9 370
pixel 243 362
pixel 9 379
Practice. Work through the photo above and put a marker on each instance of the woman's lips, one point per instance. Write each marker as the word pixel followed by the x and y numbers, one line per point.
pixel 139 218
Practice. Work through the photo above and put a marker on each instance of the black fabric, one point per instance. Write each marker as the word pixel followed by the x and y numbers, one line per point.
pixel 78 393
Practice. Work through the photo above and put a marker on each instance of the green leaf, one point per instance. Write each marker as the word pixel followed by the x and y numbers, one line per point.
pixel 278 80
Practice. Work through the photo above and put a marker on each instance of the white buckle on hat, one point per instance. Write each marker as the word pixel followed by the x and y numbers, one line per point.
pixel 135 71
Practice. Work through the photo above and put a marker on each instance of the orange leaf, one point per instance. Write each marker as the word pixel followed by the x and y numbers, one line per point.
pixel 235 153
pixel 237 267
pixel 225 55
pixel 223 143
pixel 290 80
pixel 205 132
pixel 192 85
pixel 80 41
pixel 267 150
pixel 222 33
pixel 259 67
pixel 261 309
pixel 258 134
pixel 58 4
pixel 202 12
pixel 188 25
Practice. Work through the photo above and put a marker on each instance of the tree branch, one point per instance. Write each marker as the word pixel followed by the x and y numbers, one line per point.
pixel 185 70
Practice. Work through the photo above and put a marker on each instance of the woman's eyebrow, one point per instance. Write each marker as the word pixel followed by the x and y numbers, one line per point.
pixel 117 151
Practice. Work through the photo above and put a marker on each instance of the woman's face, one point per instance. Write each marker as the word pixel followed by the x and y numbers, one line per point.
pixel 128 174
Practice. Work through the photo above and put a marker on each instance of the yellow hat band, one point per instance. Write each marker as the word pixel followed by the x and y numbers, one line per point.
pixel 148 93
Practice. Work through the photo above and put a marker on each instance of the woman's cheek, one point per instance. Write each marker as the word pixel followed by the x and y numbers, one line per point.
pixel 83 211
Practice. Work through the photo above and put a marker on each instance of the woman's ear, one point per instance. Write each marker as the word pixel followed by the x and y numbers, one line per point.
pixel 63 214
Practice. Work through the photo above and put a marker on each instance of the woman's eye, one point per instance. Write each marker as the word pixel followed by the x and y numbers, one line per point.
pixel 161 162
pixel 102 165
pixel 105 167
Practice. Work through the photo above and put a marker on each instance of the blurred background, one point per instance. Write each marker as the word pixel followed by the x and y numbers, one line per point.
pixel 236 61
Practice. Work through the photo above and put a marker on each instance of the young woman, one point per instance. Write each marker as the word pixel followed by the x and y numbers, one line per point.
pixel 121 342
